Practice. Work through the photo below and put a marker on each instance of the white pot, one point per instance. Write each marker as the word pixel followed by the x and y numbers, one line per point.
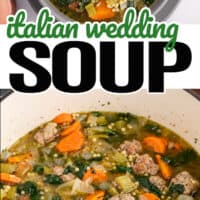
pixel 176 109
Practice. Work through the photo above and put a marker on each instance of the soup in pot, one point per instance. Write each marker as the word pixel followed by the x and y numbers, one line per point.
pixel 100 156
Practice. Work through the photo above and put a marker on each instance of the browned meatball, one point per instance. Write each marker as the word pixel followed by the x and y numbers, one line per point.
pixel 144 164
pixel 185 179
pixel 158 182
pixel 132 147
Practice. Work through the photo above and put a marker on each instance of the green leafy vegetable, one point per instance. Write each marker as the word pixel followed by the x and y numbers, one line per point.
pixel 152 128
pixel 68 169
pixel 53 179
pixel 176 188
pixel 144 181
pixel 181 158
pixel 82 165
pixel 29 188
pixel 121 169
pixel 39 169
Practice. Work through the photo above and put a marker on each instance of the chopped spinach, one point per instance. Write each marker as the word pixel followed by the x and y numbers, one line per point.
pixel 82 165
pixel 53 179
pixel 29 188
pixel 176 189
pixel 145 182
pixel 121 169
pixel 39 169
pixel 68 169
pixel 181 158
pixel 152 128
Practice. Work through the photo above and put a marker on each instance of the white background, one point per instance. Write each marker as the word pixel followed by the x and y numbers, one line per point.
pixel 187 11
pixel 190 78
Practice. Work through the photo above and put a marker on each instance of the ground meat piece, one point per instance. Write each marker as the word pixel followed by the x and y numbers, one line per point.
pixel 185 179
pixel 58 170
pixel 144 164
pixel 122 197
pixel 67 177
pixel 158 182
pixel 132 147
pixel 46 134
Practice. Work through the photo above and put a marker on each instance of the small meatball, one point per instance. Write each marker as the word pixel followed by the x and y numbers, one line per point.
pixel 185 179
pixel 67 177
pixel 159 182
pixel 122 197
pixel 132 147
pixel 46 134
pixel 144 164
pixel 58 170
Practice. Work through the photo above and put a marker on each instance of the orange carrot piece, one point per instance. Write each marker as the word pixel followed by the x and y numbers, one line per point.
pixel 98 195
pixel 74 127
pixel 19 158
pixel 157 144
pixel 149 196
pixel 96 176
pixel 63 118
pixel 72 142
pixel 102 12
pixel 9 179
pixel 165 169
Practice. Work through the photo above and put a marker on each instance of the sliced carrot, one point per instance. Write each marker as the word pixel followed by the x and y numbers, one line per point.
pixel 96 176
pixel 98 195
pixel 102 12
pixel 19 158
pixel 165 169
pixel 9 179
pixel 74 127
pixel 157 144
pixel 148 196
pixel 63 118
pixel 72 142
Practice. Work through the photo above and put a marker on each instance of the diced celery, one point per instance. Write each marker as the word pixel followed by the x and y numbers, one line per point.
pixel 119 158
pixel 7 168
pixel 90 9
pixel 125 183
pixel 101 120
